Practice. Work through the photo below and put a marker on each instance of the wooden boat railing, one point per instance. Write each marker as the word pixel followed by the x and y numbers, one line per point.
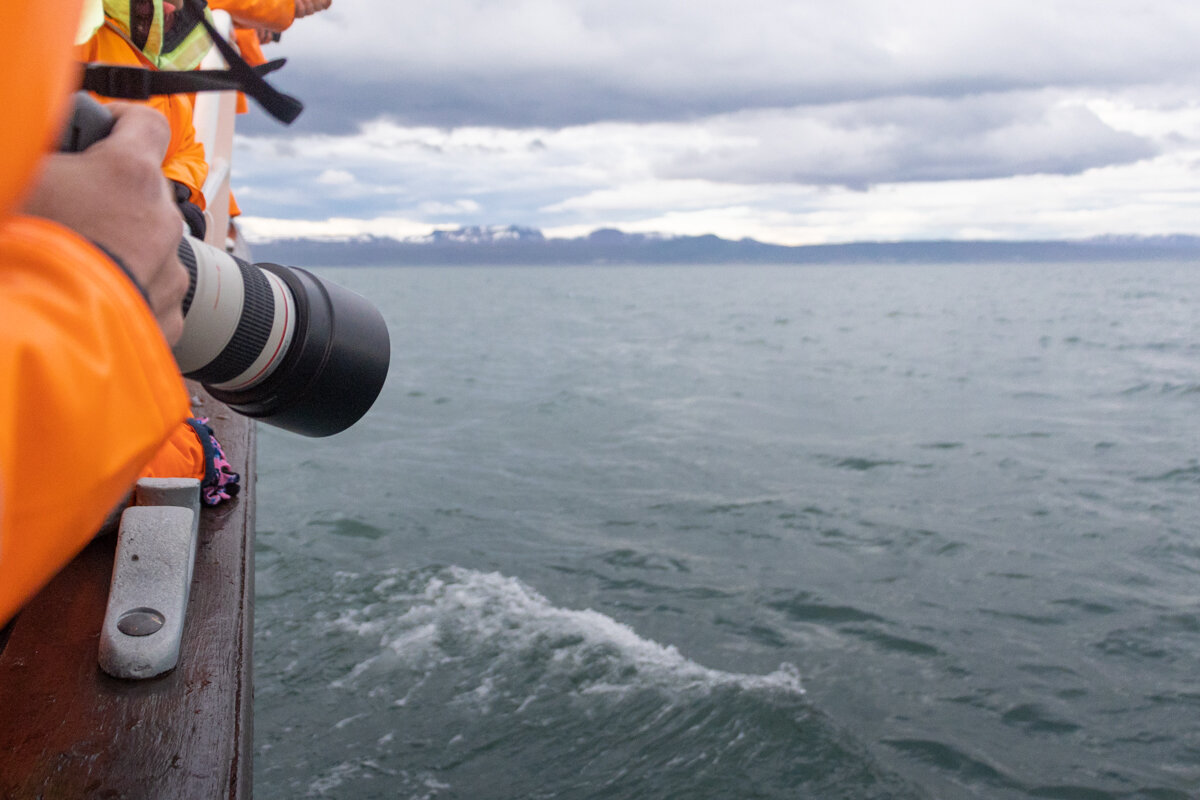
pixel 67 729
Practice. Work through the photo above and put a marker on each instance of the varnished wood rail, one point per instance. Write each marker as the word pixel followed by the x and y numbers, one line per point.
pixel 67 730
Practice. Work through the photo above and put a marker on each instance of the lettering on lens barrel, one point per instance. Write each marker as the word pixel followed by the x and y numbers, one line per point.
pixel 279 343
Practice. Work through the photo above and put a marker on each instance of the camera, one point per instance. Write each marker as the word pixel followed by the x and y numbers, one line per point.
pixel 275 343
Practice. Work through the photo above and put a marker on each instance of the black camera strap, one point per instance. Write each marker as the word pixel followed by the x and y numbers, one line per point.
pixel 282 107
pixel 137 83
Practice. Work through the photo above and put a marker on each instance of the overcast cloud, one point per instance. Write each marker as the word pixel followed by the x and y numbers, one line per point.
pixel 786 121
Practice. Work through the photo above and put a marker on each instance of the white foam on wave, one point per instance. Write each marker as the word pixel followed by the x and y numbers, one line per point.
pixel 503 627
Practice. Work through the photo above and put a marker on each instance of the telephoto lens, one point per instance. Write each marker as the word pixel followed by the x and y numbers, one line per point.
pixel 280 344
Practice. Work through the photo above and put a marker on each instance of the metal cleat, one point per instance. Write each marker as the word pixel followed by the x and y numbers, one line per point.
pixel 152 575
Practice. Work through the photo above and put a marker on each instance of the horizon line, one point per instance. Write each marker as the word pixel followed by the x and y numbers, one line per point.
pixel 486 230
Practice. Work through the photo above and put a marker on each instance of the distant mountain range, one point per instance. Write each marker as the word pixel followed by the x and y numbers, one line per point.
pixel 517 245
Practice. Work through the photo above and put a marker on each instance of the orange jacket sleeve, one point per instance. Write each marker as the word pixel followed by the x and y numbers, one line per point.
pixel 88 393
pixel 36 74
pixel 248 45
pixel 184 161
pixel 274 15
pixel 181 456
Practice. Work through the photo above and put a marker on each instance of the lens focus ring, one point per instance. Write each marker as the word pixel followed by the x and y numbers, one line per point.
pixel 253 330
pixel 187 257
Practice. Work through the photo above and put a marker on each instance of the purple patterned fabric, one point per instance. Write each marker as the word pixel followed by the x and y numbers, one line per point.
pixel 220 483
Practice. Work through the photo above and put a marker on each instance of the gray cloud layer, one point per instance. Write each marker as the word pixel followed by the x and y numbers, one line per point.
pixel 543 63
pixel 744 107
pixel 912 139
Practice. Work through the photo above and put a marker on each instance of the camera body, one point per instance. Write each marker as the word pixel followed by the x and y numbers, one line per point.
pixel 275 343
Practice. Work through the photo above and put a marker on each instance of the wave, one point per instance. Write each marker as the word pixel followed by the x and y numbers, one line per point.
pixel 458 613
pixel 459 683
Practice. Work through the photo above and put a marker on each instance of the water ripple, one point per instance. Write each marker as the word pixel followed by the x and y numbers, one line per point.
pixel 804 607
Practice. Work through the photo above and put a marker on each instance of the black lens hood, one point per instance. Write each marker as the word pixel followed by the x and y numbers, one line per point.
pixel 335 366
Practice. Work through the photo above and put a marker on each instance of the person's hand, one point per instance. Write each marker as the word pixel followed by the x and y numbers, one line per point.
pixel 114 194
pixel 306 7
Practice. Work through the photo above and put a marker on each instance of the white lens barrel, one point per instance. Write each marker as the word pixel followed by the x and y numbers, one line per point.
pixel 239 320
pixel 283 325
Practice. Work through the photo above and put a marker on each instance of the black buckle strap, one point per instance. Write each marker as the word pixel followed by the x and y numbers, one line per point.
pixel 124 83
pixel 137 83
pixel 282 107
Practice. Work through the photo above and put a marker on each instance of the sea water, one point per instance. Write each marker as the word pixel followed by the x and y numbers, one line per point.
pixel 875 531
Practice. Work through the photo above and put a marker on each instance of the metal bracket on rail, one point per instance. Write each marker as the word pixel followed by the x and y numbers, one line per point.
pixel 152 575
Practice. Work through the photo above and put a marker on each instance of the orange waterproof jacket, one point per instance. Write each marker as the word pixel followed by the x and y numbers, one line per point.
pixel 89 391
pixel 36 75
pixel 274 15
pixel 248 45
pixel 181 456
pixel 184 161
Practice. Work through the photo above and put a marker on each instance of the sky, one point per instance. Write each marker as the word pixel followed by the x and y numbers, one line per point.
pixel 787 121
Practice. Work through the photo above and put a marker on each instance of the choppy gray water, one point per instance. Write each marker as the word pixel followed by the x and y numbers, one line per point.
pixel 746 532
